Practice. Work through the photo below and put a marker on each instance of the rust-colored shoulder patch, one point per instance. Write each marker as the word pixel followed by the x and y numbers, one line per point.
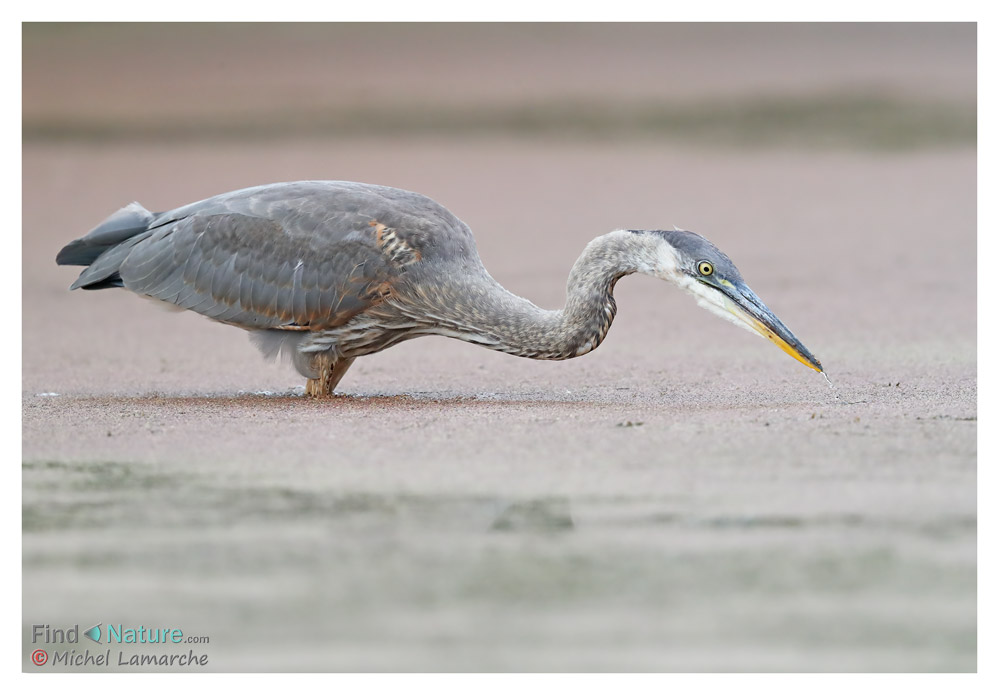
pixel 380 292
pixel 398 251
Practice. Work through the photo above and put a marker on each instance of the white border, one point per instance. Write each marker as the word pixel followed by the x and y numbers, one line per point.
pixel 397 10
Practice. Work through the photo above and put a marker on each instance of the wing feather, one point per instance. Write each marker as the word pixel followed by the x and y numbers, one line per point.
pixel 297 291
pixel 259 272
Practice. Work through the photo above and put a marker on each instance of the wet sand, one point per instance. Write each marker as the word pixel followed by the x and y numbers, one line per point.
pixel 685 498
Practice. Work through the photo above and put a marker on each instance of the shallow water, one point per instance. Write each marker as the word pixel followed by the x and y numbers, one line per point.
pixel 287 578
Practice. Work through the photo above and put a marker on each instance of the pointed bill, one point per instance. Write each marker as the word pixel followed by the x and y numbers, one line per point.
pixel 750 309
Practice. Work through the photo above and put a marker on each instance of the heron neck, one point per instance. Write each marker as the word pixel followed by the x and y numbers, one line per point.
pixel 503 321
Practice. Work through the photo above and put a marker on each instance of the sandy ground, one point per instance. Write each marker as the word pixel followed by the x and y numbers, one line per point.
pixel 684 498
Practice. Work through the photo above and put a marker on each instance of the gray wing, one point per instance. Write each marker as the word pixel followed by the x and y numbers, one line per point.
pixel 307 255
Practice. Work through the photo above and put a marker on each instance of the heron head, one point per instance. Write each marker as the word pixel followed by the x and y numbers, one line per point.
pixel 699 268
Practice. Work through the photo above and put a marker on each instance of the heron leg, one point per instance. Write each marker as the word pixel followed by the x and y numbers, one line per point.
pixel 331 370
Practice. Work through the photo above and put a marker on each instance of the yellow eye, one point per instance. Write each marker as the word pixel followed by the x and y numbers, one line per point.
pixel 705 268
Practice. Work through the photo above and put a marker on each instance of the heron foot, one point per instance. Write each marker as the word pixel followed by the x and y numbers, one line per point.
pixel 331 371
pixel 316 388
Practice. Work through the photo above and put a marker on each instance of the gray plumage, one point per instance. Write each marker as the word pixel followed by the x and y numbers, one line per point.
pixel 328 271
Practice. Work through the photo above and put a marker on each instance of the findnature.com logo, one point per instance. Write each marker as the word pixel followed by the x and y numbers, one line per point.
pixel 149 647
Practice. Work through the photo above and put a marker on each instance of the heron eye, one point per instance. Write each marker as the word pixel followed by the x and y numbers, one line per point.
pixel 705 268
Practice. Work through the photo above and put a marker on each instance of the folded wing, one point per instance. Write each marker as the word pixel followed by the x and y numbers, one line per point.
pixel 253 272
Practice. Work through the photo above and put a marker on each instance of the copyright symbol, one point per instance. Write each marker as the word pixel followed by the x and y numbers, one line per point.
pixel 39 657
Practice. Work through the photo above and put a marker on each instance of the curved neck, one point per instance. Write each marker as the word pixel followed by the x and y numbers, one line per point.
pixel 498 319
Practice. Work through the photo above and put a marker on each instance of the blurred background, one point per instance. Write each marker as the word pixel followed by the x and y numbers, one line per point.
pixel 685 498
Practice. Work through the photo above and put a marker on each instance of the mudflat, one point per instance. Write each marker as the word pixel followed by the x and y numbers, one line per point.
pixel 686 497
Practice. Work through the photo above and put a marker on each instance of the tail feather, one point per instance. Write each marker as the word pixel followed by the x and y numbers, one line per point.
pixel 105 247
pixel 103 272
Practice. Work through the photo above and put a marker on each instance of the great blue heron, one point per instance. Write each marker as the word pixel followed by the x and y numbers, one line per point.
pixel 332 270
